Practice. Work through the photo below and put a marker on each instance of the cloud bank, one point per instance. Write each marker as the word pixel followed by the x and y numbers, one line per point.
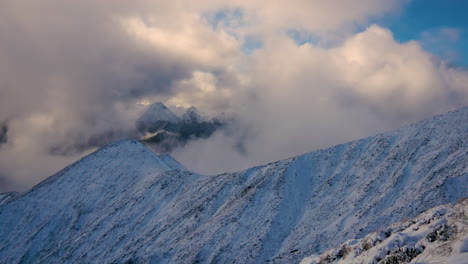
pixel 304 97
pixel 296 76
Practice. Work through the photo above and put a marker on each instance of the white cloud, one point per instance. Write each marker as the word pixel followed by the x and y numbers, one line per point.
pixel 193 41
pixel 72 73
pixel 304 97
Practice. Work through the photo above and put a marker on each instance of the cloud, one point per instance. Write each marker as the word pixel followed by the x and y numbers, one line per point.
pixel 394 77
pixel 72 73
pixel 441 34
pixel 309 16
pixel 299 98
pixel 6 185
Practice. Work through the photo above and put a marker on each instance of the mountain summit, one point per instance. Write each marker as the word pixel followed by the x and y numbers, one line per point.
pixel 123 204
pixel 158 117
pixel 163 130
pixel 192 115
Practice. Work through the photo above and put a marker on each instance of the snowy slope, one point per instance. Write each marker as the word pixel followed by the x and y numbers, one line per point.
pixel 439 235
pixel 124 204
pixel 171 162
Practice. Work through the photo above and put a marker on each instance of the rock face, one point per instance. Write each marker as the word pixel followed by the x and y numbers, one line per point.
pixel 123 204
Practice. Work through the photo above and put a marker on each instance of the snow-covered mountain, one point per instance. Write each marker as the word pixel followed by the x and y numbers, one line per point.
pixel 163 130
pixel 439 235
pixel 158 117
pixel 192 116
pixel 124 204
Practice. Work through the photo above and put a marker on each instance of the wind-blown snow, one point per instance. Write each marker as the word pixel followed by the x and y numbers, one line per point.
pixel 124 204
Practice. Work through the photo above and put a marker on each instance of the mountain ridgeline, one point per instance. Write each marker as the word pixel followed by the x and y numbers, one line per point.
pixel 124 204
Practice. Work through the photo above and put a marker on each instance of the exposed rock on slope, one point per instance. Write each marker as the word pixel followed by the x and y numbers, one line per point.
pixel 439 235
pixel 123 204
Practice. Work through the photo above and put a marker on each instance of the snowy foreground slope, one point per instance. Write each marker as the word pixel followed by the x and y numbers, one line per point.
pixel 439 235
pixel 123 204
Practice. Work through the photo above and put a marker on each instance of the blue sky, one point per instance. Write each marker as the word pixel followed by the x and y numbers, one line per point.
pixel 434 23
pixel 439 26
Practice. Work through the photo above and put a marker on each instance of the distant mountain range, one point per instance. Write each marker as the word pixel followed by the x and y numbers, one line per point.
pixel 125 204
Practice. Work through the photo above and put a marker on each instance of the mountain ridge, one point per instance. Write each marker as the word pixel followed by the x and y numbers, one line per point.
pixel 280 212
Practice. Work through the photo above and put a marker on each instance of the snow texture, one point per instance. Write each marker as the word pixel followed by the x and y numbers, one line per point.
pixel 439 235
pixel 124 204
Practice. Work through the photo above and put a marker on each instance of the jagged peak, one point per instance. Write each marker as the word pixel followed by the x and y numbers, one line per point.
pixel 159 112
pixel 192 115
